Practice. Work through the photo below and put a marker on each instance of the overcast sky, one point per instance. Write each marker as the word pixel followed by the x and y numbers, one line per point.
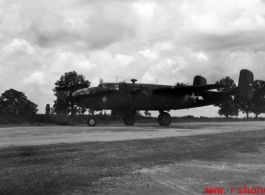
pixel 168 41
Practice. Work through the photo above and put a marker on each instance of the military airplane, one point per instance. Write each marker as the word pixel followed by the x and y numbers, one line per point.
pixel 131 97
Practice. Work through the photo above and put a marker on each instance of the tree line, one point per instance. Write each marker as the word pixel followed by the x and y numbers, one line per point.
pixel 14 104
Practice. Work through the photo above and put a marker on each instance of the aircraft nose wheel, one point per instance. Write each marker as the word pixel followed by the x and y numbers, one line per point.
pixel 164 119
pixel 129 119
pixel 91 122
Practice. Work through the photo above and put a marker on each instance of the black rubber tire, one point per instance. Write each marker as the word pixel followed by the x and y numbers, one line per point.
pixel 164 119
pixel 129 119
pixel 159 119
pixel 91 122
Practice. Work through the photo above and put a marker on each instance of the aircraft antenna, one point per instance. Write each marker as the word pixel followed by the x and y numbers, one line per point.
pixel 117 78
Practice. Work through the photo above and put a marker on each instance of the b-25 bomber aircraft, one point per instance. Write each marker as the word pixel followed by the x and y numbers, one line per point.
pixel 131 97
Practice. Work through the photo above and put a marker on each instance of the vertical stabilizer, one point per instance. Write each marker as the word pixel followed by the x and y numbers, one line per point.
pixel 199 80
pixel 245 84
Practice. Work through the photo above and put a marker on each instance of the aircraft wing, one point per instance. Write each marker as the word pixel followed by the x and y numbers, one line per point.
pixel 186 89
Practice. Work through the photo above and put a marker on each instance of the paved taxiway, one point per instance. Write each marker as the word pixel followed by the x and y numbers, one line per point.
pixel 37 135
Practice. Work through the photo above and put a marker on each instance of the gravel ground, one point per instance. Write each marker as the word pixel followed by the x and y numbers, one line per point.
pixel 144 159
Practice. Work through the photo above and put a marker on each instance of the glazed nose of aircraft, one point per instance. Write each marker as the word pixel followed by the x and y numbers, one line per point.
pixel 84 91
pixel 89 91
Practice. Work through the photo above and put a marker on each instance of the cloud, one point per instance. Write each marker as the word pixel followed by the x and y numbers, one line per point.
pixel 66 61
pixel 149 54
pixel 224 24
pixel 201 56
pixel 35 78
pixel 18 46
pixel 123 60
pixel 162 46
pixel 93 25
pixel 148 78
pixel 146 9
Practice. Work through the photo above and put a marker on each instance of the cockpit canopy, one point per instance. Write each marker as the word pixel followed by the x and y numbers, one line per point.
pixel 109 86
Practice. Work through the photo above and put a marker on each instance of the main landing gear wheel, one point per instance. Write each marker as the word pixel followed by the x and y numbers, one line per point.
pixel 129 119
pixel 91 122
pixel 164 119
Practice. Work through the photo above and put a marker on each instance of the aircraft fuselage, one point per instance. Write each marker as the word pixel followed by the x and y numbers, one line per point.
pixel 138 97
